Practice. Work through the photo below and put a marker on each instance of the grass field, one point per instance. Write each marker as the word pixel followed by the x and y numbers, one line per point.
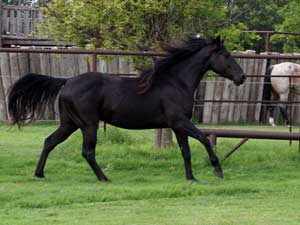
pixel 261 183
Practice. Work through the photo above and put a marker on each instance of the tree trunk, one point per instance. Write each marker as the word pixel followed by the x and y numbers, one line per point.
pixel 157 138
pixel 163 138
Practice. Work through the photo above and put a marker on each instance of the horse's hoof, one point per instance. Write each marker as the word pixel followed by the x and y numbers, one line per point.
pixel 39 175
pixel 106 180
pixel 219 173
pixel 271 121
pixel 193 180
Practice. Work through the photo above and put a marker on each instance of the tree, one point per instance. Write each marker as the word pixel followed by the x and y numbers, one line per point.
pixel 258 15
pixel 137 24
pixel 255 14
pixel 291 22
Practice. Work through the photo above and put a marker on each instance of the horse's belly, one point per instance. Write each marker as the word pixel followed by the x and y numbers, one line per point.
pixel 133 112
pixel 137 125
pixel 138 122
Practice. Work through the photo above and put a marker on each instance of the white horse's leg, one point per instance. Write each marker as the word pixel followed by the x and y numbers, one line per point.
pixel 271 115
pixel 271 121
pixel 283 107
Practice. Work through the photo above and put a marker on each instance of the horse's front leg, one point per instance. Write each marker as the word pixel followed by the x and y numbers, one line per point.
pixel 186 127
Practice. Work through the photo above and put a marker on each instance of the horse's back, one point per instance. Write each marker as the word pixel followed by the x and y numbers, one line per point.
pixel 281 84
pixel 95 96
pixel 84 95
pixel 95 84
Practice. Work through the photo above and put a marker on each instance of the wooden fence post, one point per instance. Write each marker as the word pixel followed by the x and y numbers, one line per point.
pixel 1 23
pixel 157 138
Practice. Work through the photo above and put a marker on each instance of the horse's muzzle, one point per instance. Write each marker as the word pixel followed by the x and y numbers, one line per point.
pixel 241 80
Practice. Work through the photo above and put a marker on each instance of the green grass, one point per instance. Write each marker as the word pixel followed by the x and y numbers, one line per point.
pixel 261 184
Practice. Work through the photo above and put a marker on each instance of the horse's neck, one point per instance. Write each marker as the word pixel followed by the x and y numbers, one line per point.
pixel 190 72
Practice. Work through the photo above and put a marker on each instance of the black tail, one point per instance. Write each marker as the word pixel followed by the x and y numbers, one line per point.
pixel 268 109
pixel 267 85
pixel 29 96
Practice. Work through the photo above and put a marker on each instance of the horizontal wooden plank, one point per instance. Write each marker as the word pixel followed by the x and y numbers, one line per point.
pixel 22 8
pixel 29 41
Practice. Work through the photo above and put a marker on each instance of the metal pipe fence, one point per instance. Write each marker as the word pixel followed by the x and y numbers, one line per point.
pixel 136 53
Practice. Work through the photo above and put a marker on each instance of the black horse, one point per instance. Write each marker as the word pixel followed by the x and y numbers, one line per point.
pixel 162 97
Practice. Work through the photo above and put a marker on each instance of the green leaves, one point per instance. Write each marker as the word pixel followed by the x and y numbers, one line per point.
pixel 138 24
pixel 291 23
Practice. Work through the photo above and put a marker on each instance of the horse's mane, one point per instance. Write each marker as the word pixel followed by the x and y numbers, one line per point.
pixel 175 54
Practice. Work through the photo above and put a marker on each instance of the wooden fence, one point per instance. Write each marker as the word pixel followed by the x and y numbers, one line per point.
pixel 19 20
pixel 18 27
pixel 14 65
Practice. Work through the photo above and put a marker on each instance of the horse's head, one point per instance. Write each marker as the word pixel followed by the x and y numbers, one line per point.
pixel 221 62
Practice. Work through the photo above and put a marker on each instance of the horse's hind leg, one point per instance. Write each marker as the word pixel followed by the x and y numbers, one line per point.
pixel 58 136
pixel 88 150
pixel 283 108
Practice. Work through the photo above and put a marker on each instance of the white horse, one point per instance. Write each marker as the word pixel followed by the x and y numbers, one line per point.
pixel 279 87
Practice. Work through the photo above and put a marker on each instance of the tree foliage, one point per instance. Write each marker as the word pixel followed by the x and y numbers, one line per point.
pixel 146 24
pixel 258 15
pixel 139 24
pixel 291 23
